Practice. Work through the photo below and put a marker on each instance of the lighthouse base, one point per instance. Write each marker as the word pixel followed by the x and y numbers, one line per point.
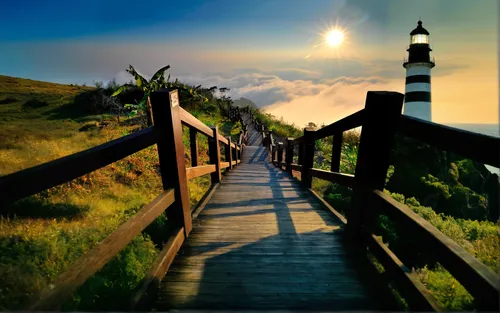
pixel 421 110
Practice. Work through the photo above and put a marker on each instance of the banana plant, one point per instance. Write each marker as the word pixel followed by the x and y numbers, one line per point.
pixel 155 83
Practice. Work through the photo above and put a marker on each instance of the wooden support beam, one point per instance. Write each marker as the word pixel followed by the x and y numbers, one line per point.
pixel 336 151
pixel 214 153
pixel 166 114
pixel 229 153
pixel 382 111
pixel 193 143
pixel 289 155
pixel 308 154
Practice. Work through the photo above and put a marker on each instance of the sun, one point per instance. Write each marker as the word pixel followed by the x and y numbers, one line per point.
pixel 335 37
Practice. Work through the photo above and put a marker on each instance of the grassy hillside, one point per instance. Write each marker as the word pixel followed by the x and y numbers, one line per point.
pixel 45 233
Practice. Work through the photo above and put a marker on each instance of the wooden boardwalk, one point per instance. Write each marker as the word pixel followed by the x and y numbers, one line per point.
pixel 263 242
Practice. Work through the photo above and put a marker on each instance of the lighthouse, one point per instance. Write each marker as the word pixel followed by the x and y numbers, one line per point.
pixel 418 67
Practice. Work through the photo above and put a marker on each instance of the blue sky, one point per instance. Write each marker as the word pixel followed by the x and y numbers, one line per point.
pixel 258 48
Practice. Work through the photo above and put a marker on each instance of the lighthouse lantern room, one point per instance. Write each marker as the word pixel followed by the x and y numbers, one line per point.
pixel 418 67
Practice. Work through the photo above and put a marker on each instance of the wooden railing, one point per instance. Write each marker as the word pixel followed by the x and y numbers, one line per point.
pixel 167 134
pixel 381 119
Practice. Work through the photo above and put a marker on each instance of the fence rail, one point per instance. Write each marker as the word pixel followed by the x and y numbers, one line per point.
pixel 380 120
pixel 168 119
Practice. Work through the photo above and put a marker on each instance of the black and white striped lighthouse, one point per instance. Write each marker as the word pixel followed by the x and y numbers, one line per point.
pixel 418 67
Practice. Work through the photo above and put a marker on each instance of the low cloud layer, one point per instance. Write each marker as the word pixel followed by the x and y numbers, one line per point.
pixel 299 101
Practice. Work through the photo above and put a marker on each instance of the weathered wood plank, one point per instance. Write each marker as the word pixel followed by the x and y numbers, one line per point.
pixel 337 178
pixel 415 292
pixel 481 148
pixel 64 286
pixel 41 177
pixel 476 277
pixel 191 121
pixel 352 121
pixel 193 172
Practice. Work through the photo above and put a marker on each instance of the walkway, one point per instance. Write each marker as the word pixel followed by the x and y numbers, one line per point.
pixel 264 242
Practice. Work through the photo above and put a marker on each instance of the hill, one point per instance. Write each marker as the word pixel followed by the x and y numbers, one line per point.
pixel 243 102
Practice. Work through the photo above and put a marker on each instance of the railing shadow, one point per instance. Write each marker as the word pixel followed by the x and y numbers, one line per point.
pixel 284 253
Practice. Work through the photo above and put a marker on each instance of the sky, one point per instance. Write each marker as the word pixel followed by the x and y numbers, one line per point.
pixel 269 51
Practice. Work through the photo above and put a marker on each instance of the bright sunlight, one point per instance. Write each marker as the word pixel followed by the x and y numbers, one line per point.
pixel 334 37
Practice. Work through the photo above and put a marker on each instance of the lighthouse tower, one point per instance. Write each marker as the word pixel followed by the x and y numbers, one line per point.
pixel 418 67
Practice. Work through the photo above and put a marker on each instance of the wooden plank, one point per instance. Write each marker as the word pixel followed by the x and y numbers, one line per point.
pixel 234 162
pixel 193 144
pixel 477 278
pixel 214 154
pixel 151 282
pixel 381 113
pixel 222 139
pixel 296 167
pixel 308 148
pixel 478 147
pixel 191 121
pixel 414 292
pixel 336 151
pixel 337 178
pixel 30 181
pixel 297 141
pixel 167 116
pixel 204 201
pixel 60 290
pixel 289 155
pixel 329 207
pixel 224 165
pixel 352 121
pixel 229 153
pixel 193 172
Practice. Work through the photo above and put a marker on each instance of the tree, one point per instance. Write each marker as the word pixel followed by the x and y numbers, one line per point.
pixel 155 83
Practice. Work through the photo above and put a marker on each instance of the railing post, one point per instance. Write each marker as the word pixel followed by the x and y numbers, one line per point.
pixel 272 149
pixel 236 151
pixel 289 155
pixel 308 154
pixel 214 154
pixel 229 153
pixel 336 152
pixel 171 155
pixel 280 154
pixel 380 119
pixel 193 143
pixel 301 154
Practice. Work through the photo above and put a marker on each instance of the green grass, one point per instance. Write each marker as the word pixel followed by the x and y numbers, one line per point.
pixel 47 232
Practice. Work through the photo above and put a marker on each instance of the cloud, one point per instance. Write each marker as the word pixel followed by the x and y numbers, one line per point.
pixel 299 101
pixel 333 102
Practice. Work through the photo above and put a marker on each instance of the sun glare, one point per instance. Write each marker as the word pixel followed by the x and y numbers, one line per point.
pixel 334 37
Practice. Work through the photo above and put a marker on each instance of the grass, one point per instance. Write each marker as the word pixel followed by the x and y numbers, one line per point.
pixel 47 232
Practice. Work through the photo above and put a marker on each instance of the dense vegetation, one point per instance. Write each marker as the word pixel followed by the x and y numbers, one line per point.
pixel 456 195
pixel 42 235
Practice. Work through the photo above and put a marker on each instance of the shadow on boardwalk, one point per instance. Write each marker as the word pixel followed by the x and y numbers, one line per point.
pixel 264 242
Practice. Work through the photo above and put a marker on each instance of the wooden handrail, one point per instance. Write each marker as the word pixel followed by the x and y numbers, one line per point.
pixel 167 134
pixel 198 171
pixel 47 175
pixel 191 121
pixel 347 123
pixel 481 148
pixel 381 119
pixel 91 262
pixel 337 178
pixel 476 277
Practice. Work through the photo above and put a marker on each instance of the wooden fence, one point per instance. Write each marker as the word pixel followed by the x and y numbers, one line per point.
pixel 380 120
pixel 168 117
